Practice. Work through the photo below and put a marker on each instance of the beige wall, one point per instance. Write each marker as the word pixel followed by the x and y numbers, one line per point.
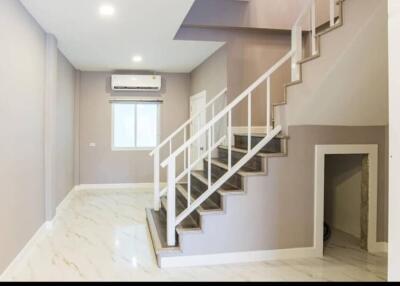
pixel 64 155
pixel 343 174
pixel 250 53
pixel 211 75
pixel 349 83
pixel 100 165
pixel 22 68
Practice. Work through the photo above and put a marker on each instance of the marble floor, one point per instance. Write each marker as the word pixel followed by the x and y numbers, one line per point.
pixel 101 235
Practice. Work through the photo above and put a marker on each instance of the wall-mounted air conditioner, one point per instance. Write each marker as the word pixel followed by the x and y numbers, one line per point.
pixel 136 82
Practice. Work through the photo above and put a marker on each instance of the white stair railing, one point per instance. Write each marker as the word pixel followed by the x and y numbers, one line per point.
pixel 170 162
pixel 295 55
pixel 182 130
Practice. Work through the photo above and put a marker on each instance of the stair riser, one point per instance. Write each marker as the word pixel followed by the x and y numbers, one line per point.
pixel 274 146
pixel 217 172
pixel 255 163
pixel 181 204
pixel 200 188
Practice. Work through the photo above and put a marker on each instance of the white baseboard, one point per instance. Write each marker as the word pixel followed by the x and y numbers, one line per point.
pixel 117 186
pixel 66 200
pixel 26 250
pixel 379 247
pixel 237 257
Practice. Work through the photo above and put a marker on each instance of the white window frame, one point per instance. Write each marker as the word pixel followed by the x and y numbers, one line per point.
pixel 158 136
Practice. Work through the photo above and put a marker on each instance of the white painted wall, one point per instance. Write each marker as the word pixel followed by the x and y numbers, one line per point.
pixel 348 84
pixel 394 125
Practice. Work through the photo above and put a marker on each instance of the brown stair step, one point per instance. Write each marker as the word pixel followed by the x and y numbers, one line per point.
pixel 157 222
pixel 274 146
pixel 256 163
pixel 244 171
pixel 208 205
pixel 190 223
pixel 224 188
pixel 244 152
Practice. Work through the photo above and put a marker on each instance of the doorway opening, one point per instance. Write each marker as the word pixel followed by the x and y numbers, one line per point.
pixel 364 162
pixel 346 201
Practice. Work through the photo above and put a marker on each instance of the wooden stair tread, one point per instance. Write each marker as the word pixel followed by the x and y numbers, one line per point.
pixel 188 223
pixel 244 151
pixel 244 172
pixel 262 135
pixel 157 223
pixel 208 205
pixel 225 187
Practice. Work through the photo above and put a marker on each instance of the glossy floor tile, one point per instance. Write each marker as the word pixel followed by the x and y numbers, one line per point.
pixel 102 235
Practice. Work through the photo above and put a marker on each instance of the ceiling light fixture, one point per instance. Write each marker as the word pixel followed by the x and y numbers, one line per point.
pixel 137 59
pixel 106 10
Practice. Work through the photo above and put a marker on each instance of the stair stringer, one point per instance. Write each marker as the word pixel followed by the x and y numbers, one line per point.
pixel 279 110
pixel 245 224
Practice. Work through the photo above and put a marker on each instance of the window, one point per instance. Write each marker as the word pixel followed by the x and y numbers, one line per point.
pixel 135 126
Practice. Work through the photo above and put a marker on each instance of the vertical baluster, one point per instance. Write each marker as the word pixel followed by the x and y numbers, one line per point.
pixel 170 147
pixel 209 158
pixel 249 123
pixel 297 46
pixel 313 28
pixel 332 12
pixel 157 202
pixel 230 139
pixel 269 117
pixel 171 216
pixel 213 127
pixel 185 152
pixel 189 180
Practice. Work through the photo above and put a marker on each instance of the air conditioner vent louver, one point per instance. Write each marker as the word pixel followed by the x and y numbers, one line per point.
pixel 136 82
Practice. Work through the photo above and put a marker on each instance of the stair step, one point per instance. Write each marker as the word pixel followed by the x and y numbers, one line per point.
pixel 253 165
pixel 262 155
pixel 274 146
pixel 157 222
pixel 209 206
pixel 225 187
pixel 190 222
pixel 244 172
pixel 218 171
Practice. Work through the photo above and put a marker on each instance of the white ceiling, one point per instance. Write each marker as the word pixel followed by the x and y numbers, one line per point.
pixel 144 27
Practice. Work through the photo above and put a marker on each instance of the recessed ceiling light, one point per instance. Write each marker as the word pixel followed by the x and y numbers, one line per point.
pixel 106 10
pixel 137 59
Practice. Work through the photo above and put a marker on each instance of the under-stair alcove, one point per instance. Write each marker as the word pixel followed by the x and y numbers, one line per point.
pixel 346 201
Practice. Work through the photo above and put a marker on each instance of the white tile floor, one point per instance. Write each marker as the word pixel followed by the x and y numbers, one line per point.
pixel 102 235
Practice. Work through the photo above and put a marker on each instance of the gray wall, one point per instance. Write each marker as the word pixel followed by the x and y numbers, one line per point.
pixel 64 175
pixel 349 83
pixel 100 165
pixel 250 53
pixel 22 68
pixel 211 75
pixel 22 121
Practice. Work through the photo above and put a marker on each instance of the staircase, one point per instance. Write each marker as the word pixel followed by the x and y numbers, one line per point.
pixel 218 209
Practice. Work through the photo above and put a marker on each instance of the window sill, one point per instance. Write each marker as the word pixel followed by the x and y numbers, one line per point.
pixel 131 149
